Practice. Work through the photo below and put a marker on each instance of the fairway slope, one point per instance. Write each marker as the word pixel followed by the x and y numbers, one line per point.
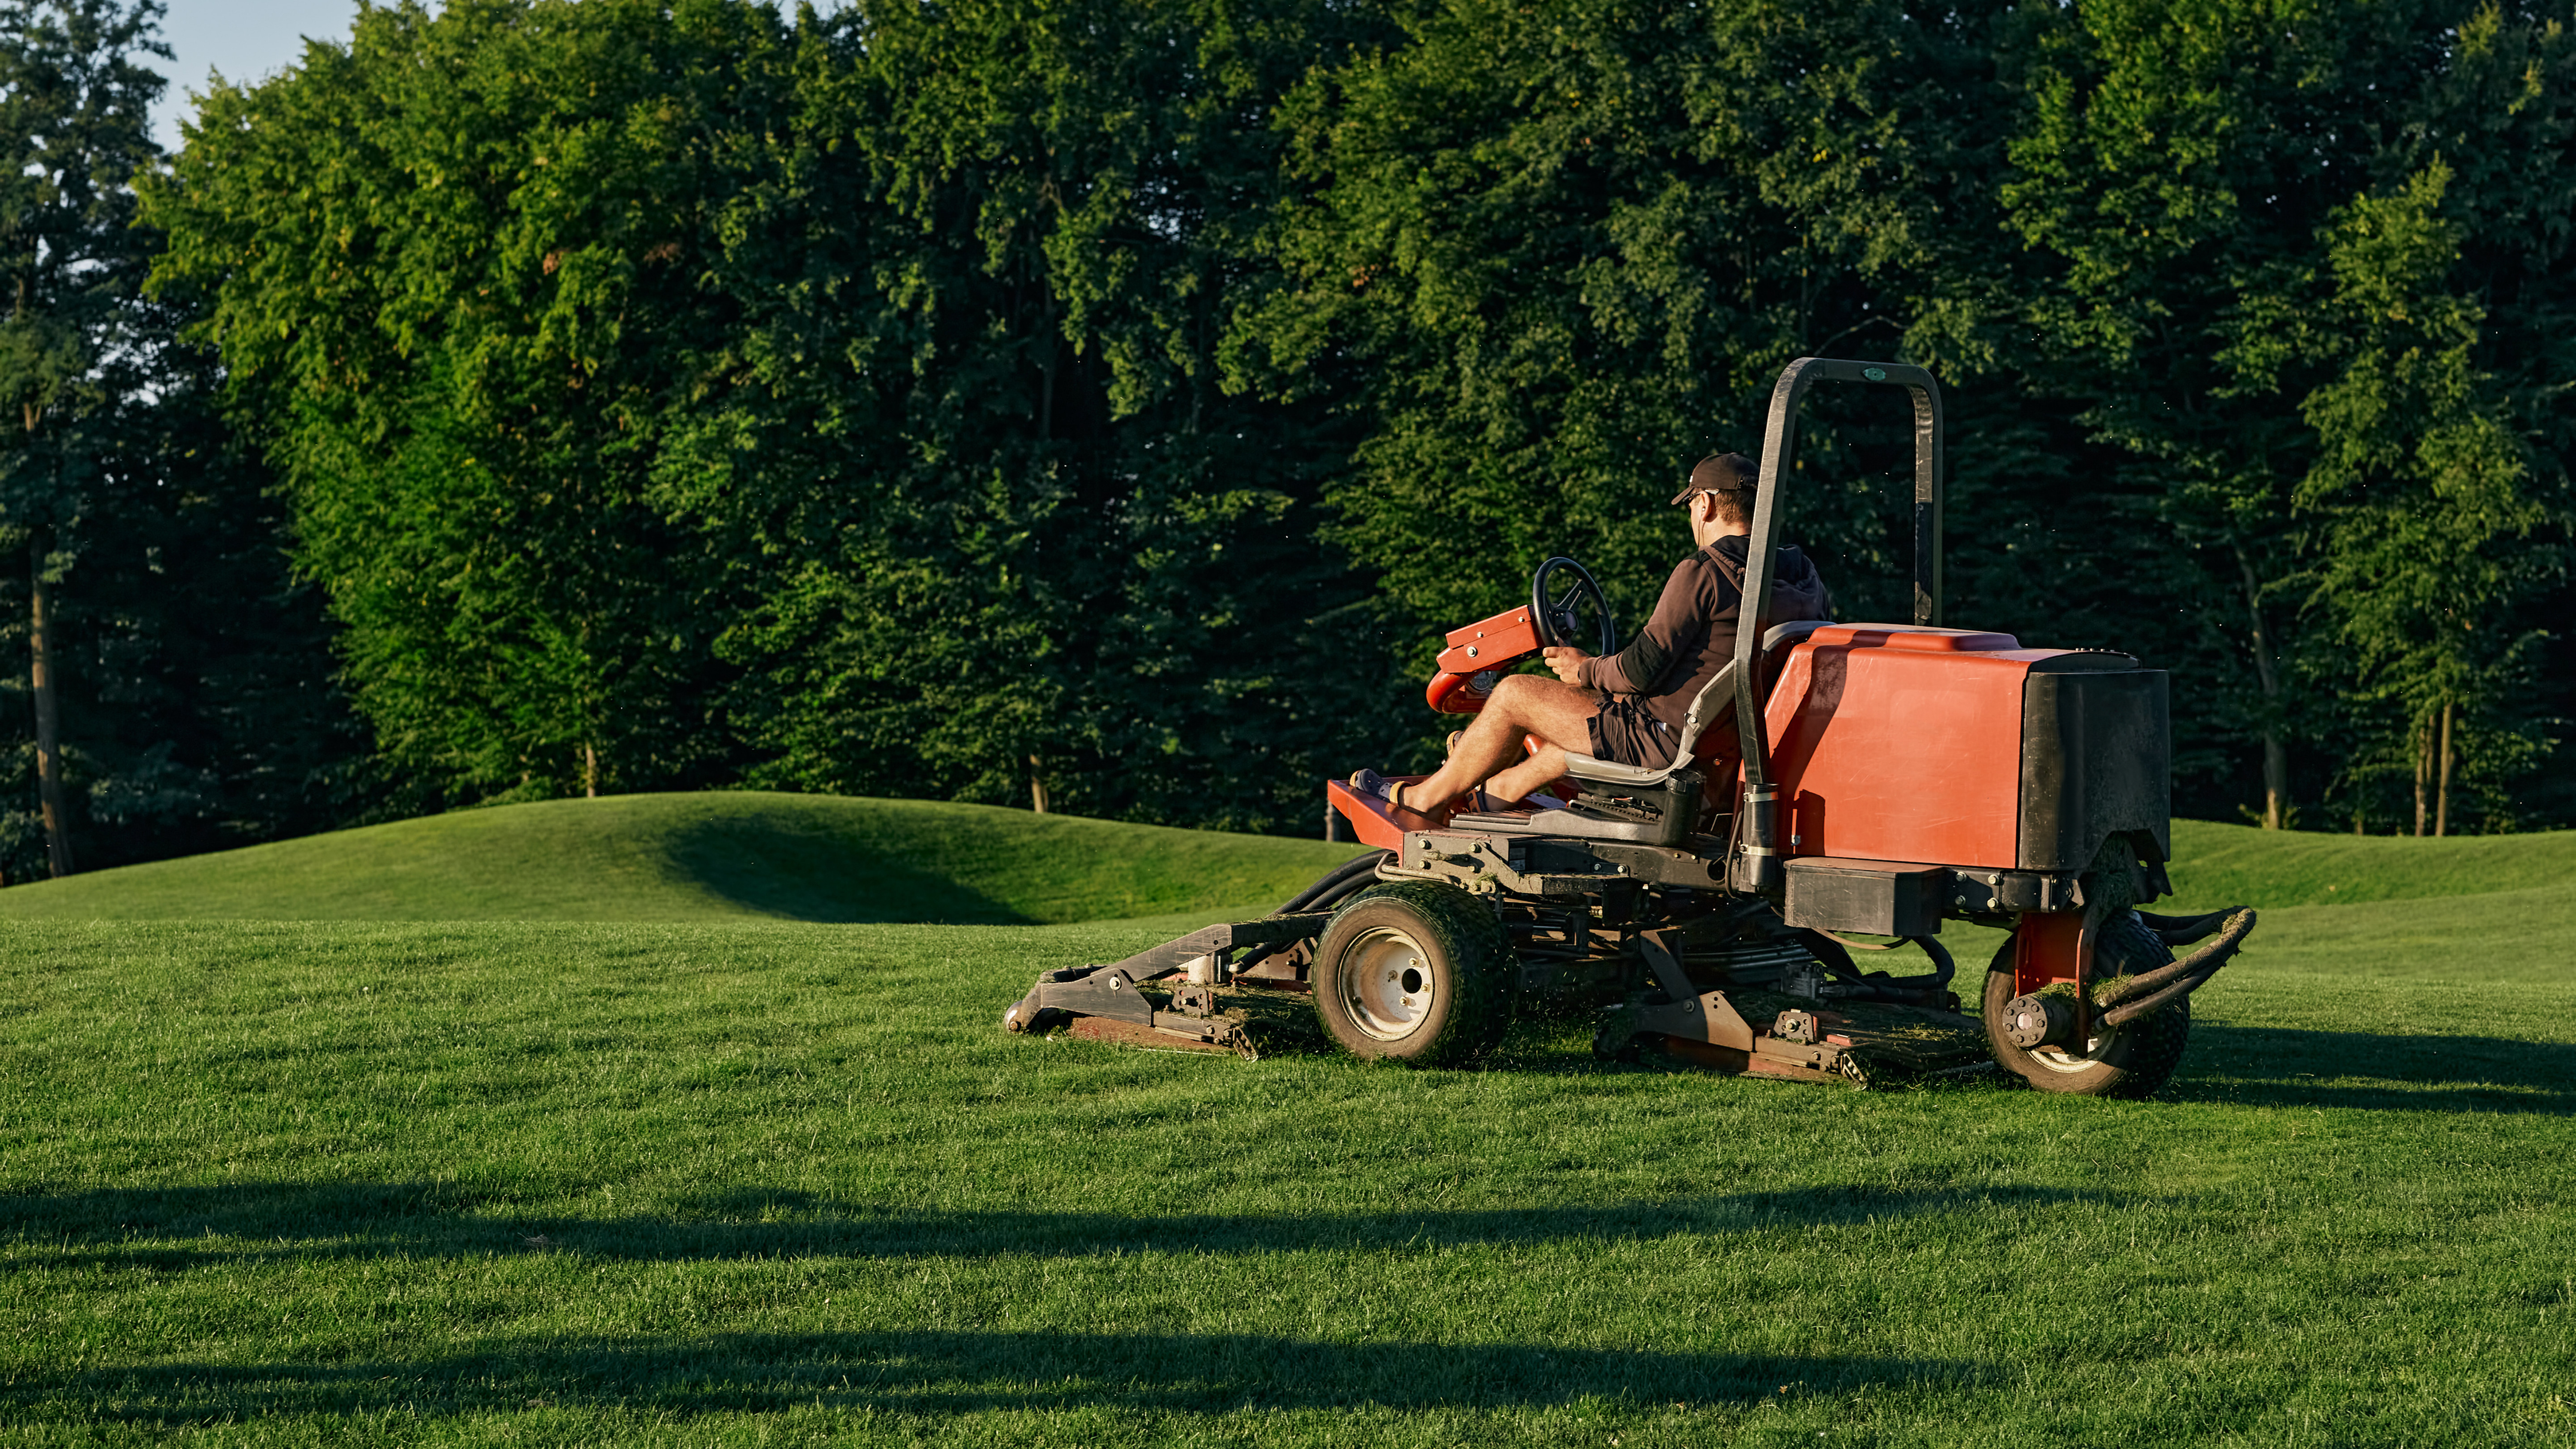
pixel 737 855
pixel 2217 865
pixel 709 857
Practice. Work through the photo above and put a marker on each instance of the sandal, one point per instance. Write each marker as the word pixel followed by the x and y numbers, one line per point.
pixel 1378 787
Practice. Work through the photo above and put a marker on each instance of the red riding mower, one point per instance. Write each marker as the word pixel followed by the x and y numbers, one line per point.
pixel 1833 781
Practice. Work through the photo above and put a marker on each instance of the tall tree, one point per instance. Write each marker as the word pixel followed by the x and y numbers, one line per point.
pixel 675 396
pixel 456 277
pixel 2425 491
pixel 195 677
pixel 74 119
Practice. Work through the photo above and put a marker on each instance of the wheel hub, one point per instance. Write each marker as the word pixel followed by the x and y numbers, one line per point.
pixel 1388 992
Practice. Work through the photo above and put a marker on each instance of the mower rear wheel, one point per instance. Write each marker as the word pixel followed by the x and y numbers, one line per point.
pixel 1415 972
pixel 2128 1061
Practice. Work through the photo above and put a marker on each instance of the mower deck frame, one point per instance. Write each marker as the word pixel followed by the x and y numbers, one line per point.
pixel 1646 931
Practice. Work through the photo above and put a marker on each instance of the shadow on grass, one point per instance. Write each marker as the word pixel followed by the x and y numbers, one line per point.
pixel 174 1229
pixel 2239 1065
pixel 947 1372
pixel 803 870
pixel 2280 1067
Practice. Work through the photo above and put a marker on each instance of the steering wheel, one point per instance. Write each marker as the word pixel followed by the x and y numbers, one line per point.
pixel 1562 592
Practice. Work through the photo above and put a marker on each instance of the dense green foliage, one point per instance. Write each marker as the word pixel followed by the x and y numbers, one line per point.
pixel 2310 265
pixel 2233 378
pixel 678 396
pixel 783 1184
pixel 1103 404
pixel 1556 253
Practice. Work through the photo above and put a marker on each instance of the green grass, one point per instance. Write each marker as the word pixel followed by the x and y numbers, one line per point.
pixel 707 857
pixel 760 1182
pixel 2223 864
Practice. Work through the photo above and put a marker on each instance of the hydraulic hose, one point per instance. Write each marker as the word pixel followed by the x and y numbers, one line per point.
pixel 1330 889
pixel 1829 953
pixel 2167 997
pixel 1879 986
pixel 1343 890
pixel 1325 883
pixel 2195 968
pixel 2183 930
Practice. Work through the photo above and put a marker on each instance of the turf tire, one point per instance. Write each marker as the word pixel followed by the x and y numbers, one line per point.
pixel 1449 940
pixel 2138 1058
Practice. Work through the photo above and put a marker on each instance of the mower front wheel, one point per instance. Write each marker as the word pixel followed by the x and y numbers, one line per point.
pixel 1415 972
pixel 2129 1061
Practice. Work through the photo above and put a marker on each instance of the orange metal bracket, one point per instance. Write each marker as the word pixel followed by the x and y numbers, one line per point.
pixel 1367 813
pixel 2047 949
pixel 1477 658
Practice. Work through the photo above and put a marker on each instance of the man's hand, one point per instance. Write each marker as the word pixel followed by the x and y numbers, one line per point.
pixel 1568 664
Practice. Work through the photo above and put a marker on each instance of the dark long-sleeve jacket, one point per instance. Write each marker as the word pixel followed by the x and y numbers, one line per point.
pixel 1691 634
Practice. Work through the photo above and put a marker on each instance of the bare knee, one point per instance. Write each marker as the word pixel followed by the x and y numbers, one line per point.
pixel 1556 712
pixel 1517 692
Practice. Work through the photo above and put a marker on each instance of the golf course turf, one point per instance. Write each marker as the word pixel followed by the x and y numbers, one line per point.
pixel 550 1141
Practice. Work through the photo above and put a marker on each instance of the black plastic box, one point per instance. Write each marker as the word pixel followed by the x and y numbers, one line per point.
pixel 1872 897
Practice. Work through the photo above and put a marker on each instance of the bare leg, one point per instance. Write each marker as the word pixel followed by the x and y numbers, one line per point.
pixel 1523 704
pixel 1528 777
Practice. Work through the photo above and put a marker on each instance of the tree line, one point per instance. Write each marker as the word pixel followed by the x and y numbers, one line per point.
pixel 1101 405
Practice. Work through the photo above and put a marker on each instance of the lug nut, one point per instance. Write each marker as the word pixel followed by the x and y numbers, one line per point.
pixel 2037 1021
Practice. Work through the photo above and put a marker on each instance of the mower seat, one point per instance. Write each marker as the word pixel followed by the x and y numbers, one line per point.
pixel 1713 706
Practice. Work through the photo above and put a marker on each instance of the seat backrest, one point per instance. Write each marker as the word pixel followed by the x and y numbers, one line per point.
pixel 1708 730
pixel 1713 706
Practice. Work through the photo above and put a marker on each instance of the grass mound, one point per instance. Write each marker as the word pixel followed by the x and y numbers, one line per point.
pixel 709 857
pixel 2216 865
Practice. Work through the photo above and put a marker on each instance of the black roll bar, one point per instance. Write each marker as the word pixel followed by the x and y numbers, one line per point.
pixel 1757 864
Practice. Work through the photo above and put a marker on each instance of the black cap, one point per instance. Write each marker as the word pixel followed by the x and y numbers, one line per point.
pixel 1720 473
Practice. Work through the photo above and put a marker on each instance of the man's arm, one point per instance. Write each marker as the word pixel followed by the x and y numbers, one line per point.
pixel 1681 619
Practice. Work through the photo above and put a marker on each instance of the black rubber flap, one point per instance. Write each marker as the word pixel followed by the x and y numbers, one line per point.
pixel 2095 761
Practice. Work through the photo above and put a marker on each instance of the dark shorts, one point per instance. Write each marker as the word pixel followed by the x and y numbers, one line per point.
pixel 1625 733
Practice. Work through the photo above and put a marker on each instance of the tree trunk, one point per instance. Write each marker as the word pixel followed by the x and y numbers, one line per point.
pixel 589 771
pixel 49 741
pixel 1046 386
pixel 1037 788
pixel 2276 756
pixel 2276 783
pixel 2423 767
pixel 2442 794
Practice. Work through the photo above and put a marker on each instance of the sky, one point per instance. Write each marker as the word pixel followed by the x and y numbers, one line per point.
pixel 244 39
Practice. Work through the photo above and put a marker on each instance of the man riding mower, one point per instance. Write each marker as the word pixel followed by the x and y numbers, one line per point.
pixel 1822 782
pixel 1626 708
